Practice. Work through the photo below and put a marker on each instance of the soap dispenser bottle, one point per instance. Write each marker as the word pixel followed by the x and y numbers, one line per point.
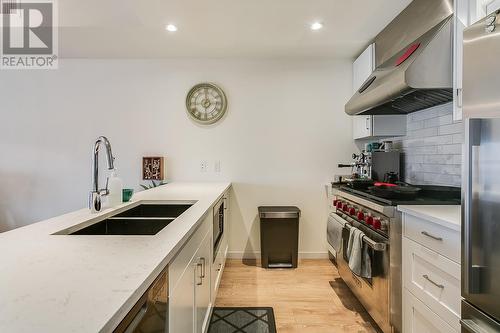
pixel 115 196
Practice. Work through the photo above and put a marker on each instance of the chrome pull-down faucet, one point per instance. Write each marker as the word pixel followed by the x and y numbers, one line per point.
pixel 96 194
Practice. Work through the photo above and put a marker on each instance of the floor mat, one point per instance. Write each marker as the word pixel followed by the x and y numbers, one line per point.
pixel 242 320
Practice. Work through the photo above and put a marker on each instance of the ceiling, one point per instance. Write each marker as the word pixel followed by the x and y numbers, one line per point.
pixel 220 28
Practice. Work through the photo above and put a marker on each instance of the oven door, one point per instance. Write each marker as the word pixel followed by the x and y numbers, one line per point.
pixel 372 292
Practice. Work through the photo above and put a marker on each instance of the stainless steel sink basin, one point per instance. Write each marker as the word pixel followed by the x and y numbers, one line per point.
pixel 118 226
pixel 155 210
pixel 145 219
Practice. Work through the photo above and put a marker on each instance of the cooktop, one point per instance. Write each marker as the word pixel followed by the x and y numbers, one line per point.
pixel 429 195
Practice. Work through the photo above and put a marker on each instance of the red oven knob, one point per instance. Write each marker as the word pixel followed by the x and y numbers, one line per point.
pixel 361 216
pixel 339 204
pixel 352 211
pixel 345 208
pixel 335 202
pixel 377 224
pixel 369 220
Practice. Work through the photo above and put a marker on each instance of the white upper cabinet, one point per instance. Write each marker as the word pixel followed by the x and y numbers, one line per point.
pixel 365 127
pixel 467 12
pixel 492 6
pixel 461 21
pixel 363 67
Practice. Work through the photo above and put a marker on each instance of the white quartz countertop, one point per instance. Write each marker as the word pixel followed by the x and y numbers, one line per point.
pixel 81 283
pixel 448 216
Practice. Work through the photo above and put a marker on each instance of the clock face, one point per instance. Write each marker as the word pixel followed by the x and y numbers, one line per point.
pixel 206 103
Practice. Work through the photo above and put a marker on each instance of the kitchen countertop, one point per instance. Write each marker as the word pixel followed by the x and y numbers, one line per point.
pixel 448 216
pixel 68 283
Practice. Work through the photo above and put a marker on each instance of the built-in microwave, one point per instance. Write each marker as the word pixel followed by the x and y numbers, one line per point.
pixel 218 228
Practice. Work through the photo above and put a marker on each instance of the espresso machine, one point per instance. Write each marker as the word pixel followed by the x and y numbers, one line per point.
pixel 367 168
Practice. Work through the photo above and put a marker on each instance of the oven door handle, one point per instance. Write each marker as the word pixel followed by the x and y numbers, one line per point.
pixel 376 246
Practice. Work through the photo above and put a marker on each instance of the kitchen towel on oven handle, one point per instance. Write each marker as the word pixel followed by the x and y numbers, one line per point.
pixel 358 255
pixel 334 227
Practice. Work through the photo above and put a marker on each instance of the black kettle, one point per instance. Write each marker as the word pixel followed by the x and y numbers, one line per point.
pixel 391 178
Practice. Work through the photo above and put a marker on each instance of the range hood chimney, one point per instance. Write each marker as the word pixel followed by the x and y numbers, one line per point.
pixel 413 62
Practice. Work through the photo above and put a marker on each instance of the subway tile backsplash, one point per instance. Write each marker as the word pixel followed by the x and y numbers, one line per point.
pixel 432 148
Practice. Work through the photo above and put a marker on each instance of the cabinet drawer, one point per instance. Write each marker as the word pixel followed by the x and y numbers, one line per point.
pixel 418 318
pixel 443 240
pixel 433 279
pixel 184 256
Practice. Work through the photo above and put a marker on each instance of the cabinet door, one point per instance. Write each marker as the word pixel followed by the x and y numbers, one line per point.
pixel 492 6
pixel 418 318
pixel 477 9
pixel 388 125
pixel 361 127
pixel 363 67
pixel 461 21
pixel 203 259
pixel 467 12
pixel 181 302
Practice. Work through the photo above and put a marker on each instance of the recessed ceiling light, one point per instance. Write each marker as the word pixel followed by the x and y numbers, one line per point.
pixel 171 28
pixel 316 26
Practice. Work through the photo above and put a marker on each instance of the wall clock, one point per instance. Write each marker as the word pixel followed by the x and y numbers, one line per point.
pixel 206 103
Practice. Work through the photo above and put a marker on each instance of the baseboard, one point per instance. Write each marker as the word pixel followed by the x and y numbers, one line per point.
pixel 313 255
pixel 243 255
pixel 256 255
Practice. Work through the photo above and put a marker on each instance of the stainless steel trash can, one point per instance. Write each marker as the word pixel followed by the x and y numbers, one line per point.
pixel 279 236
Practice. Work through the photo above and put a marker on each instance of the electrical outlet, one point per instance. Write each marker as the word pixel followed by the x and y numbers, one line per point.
pixel 203 166
pixel 217 166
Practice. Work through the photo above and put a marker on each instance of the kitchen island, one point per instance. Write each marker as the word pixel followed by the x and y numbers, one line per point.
pixel 83 283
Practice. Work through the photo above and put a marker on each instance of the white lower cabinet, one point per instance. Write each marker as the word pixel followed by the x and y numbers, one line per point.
pixel 418 318
pixel 181 303
pixel 431 276
pixel 190 297
pixel 434 279
pixel 194 277
pixel 202 296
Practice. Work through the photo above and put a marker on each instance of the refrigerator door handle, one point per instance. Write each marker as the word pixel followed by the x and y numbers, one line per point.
pixel 466 205
pixel 471 273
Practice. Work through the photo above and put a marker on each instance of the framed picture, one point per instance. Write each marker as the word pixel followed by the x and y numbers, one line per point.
pixel 153 168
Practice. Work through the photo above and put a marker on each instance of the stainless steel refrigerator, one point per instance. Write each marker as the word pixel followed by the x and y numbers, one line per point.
pixel 481 188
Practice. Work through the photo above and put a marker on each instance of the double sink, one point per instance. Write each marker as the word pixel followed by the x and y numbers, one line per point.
pixel 144 219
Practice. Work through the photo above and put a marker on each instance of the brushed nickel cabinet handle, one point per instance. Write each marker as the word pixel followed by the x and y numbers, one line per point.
pixel 203 267
pixel 440 286
pixel 425 233
pixel 196 273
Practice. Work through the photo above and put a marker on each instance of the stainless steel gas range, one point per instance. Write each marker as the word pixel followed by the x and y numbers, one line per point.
pixel 380 221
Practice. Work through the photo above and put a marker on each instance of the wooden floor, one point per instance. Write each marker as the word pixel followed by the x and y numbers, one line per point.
pixel 309 299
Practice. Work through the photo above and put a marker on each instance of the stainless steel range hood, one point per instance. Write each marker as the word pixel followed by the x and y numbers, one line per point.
pixel 414 62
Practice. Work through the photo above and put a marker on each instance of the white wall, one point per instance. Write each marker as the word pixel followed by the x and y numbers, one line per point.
pixel 284 133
